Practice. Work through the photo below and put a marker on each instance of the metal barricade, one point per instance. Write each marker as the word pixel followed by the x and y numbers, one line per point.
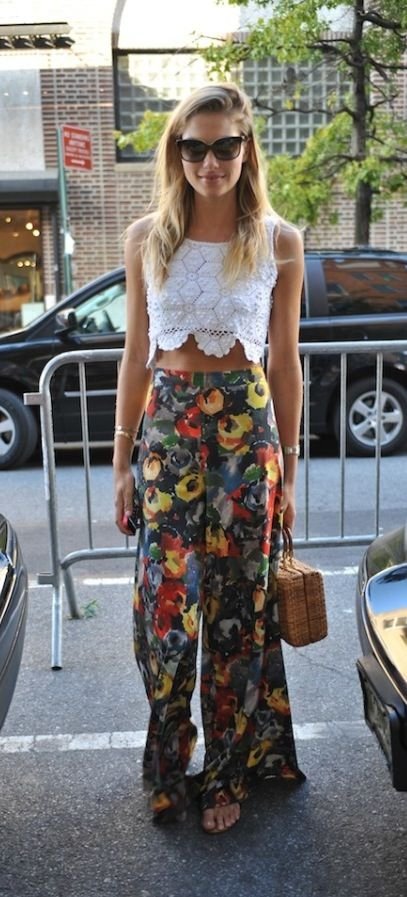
pixel 343 349
pixel 61 577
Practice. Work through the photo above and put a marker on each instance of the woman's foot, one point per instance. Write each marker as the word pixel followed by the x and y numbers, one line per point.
pixel 169 807
pixel 220 819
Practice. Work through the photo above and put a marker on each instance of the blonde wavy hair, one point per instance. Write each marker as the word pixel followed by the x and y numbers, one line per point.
pixel 174 197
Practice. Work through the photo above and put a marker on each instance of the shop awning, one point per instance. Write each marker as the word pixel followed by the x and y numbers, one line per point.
pixel 28 187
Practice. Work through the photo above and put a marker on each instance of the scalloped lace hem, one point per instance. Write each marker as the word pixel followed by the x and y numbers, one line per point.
pixel 218 344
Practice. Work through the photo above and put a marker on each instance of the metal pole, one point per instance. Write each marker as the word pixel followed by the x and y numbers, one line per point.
pixel 343 438
pixel 86 455
pixel 307 381
pixel 378 453
pixel 51 501
pixel 63 200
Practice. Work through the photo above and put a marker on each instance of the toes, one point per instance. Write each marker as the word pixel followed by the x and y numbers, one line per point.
pixel 208 821
pixel 220 818
pixel 231 815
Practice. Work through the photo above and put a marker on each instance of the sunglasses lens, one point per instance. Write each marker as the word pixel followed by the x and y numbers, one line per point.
pixel 192 150
pixel 227 148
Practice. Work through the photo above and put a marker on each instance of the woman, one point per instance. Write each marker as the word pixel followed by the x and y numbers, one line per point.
pixel 208 275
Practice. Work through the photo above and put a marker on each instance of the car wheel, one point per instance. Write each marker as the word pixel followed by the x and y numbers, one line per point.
pixel 18 431
pixel 363 417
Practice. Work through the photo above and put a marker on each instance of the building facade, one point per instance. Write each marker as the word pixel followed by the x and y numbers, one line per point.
pixel 112 67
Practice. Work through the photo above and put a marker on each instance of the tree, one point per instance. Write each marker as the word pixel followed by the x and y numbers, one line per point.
pixel 363 146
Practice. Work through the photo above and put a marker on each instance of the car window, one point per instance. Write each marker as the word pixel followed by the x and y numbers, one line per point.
pixel 365 286
pixel 105 312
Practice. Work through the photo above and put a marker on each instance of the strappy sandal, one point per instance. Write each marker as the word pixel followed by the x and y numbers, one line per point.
pixel 222 802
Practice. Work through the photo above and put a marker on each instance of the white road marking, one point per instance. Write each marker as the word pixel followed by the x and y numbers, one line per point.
pixel 343 571
pixel 90 581
pixel 108 581
pixel 105 741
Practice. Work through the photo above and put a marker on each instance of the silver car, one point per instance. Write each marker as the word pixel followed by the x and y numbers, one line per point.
pixel 381 607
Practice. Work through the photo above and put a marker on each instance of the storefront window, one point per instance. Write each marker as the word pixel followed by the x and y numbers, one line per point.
pixel 21 289
pixel 154 82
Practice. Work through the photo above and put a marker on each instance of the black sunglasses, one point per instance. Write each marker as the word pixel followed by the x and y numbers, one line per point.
pixel 224 149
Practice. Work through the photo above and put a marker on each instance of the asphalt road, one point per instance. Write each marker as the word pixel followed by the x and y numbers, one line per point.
pixel 73 815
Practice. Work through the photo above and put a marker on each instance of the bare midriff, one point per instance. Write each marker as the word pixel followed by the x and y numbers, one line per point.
pixel 189 358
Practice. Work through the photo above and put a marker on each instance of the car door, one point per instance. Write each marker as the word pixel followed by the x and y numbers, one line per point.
pixel 366 294
pixel 96 323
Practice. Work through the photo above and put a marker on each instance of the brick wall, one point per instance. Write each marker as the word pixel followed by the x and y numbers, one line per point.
pixel 102 202
pixel 388 233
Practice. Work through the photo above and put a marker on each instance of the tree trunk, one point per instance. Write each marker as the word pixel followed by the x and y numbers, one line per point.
pixel 363 214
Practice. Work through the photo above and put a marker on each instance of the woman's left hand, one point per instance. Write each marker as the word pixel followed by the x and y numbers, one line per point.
pixel 288 506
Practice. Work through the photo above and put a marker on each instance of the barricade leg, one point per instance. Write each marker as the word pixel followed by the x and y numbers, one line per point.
pixel 70 593
pixel 56 634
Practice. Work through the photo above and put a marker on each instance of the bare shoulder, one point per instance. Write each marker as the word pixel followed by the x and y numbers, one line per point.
pixel 289 246
pixel 289 255
pixel 139 230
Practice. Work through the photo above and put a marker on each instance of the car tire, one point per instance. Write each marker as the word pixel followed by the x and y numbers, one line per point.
pixel 18 431
pixel 361 418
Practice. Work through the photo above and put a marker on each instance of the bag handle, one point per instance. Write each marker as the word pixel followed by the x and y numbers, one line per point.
pixel 288 548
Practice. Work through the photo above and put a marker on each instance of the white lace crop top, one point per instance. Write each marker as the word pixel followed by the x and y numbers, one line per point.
pixel 195 300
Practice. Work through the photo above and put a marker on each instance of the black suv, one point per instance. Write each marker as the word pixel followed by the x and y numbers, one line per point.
pixel 356 294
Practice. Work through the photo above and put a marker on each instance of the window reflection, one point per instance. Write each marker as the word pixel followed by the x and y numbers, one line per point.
pixel 365 286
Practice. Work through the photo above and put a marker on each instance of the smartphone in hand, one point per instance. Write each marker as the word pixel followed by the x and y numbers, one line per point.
pixel 133 520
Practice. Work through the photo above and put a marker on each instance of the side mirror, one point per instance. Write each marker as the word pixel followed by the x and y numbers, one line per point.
pixel 67 319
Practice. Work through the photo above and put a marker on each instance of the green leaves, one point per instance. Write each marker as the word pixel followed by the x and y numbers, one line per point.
pixel 295 191
pixel 145 138
pixel 291 33
pixel 362 144
pixel 90 609
pixel 302 187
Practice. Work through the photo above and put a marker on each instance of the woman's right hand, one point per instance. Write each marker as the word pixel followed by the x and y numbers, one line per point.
pixel 124 485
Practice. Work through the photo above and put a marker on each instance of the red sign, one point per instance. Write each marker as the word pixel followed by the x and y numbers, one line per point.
pixel 76 147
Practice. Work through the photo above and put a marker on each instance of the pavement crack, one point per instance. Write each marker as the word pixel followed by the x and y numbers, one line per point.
pixel 324 666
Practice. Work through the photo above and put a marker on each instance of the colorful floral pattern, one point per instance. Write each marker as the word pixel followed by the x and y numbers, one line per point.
pixel 209 471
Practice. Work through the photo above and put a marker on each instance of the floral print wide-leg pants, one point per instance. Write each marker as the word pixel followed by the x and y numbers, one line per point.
pixel 209 479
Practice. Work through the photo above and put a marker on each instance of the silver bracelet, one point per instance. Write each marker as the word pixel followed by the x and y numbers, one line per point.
pixel 291 449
